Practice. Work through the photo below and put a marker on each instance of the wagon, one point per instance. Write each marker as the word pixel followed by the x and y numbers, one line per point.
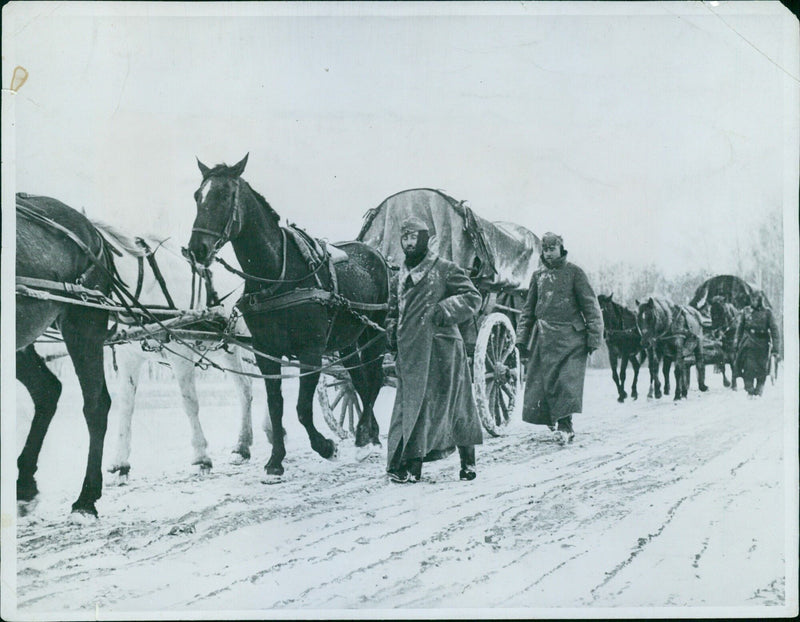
pixel 500 258
pixel 737 292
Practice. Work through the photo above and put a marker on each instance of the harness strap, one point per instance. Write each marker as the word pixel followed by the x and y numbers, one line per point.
pixel 251 304
pixel 139 276
pixel 151 259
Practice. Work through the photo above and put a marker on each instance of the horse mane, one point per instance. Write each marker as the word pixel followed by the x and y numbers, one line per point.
pixel 264 203
pixel 127 243
pixel 620 311
pixel 119 240
pixel 223 170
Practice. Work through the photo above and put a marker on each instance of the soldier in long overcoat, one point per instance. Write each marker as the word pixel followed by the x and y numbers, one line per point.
pixel 756 338
pixel 559 326
pixel 434 410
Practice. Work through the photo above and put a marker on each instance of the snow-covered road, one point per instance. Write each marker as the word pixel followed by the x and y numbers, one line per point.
pixel 654 505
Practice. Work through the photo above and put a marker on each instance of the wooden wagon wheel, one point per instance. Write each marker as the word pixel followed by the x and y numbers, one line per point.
pixel 497 375
pixel 340 403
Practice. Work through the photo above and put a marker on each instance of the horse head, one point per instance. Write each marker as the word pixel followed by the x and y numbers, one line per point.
pixel 609 310
pixel 220 210
pixel 647 317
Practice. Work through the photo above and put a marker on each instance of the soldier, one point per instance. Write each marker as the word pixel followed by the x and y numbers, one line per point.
pixel 756 334
pixel 434 410
pixel 559 326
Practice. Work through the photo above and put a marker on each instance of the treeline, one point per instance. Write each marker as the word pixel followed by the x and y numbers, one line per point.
pixel 758 260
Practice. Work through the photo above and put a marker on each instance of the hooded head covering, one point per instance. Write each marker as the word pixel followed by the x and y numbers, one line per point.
pixel 416 254
pixel 411 224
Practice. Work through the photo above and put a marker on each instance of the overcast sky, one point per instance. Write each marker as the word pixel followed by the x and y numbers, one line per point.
pixel 641 132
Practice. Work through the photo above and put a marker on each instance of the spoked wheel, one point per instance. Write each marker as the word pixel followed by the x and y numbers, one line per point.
pixel 341 406
pixel 497 373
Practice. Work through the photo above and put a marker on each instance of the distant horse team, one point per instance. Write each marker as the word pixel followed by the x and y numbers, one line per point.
pixel 712 329
pixel 302 299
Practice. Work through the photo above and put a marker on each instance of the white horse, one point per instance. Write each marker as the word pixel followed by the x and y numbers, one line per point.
pixel 136 268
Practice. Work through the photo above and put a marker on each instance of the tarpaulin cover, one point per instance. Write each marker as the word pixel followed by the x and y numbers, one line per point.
pixel 733 289
pixel 498 256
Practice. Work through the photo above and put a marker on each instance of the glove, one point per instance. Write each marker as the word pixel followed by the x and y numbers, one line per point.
pixel 438 316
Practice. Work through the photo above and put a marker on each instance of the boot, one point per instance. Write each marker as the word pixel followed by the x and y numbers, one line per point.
pixel 564 430
pixel 414 470
pixel 398 475
pixel 467 455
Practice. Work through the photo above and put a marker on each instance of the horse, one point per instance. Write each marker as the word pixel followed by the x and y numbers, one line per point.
pixel 675 333
pixel 295 305
pixel 624 342
pixel 165 283
pixel 724 317
pixel 59 250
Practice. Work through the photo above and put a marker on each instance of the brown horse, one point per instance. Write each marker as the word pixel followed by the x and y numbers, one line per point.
pixel 675 333
pixel 724 317
pixel 55 243
pixel 624 342
pixel 292 308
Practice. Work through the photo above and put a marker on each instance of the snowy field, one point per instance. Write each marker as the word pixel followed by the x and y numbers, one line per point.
pixel 654 505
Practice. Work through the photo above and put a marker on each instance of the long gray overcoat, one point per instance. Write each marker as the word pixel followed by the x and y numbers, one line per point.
pixel 434 409
pixel 560 322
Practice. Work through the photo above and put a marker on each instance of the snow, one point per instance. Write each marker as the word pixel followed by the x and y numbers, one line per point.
pixel 655 505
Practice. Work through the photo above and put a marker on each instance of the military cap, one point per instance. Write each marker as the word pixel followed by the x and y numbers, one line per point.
pixel 551 239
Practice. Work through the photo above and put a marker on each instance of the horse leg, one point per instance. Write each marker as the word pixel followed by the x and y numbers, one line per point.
pixel 130 366
pixel 612 358
pixel 635 363
pixel 274 467
pixel 83 332
pixel 244 387
pixel 700 365
pixel 183 369
pixel 305 403
pixel 666 367
pixel 368 380
pixel 44 389
pixel 623 373
pixel 655 383
pixel 679 380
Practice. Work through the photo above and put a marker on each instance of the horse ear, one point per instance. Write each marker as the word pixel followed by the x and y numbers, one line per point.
pixel 203 168
pixel 238 169
pixel 637 302
pixel 611 296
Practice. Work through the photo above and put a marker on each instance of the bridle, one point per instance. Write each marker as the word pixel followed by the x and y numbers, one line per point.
pixel 233 226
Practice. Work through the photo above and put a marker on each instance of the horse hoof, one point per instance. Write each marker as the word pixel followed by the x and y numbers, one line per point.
pixel 83 517
pixel 270 480
pixel 334 455
pixel 122 478
pixel 24 508
pixel 704 388
pixel 203 468
pixel 239 456
pixel 362 453
pixel 621 400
